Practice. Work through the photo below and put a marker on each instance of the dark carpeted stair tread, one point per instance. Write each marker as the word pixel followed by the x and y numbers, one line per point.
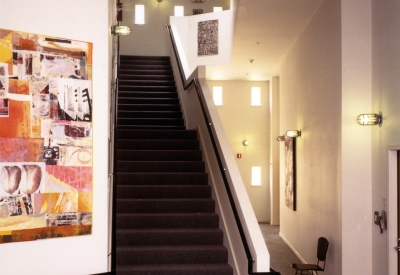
pixel 160 166
pixel 137 72
pixel 176 254
pixel 155 134
pixel 138 82
pixel 144 57
pixel 148 144
pixel 167 220
pixel 172 236
pixel 148 94
pixel 148 114
pixel 154 127
pixel 133 88
pixel 149 77
pixel 159 155
pixel 150 107
pixel 165 205
pixel 151 101
pixel 188 269
pixel 127 178
pixel 163 191
pixel 151 121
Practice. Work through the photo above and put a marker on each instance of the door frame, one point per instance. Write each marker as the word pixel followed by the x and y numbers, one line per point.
pixel 392 215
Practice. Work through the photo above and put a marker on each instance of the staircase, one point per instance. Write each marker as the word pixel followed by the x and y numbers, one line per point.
pixel 166 220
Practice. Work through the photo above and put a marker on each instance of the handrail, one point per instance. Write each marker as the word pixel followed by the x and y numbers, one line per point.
pixel 114 172
pixel 194 82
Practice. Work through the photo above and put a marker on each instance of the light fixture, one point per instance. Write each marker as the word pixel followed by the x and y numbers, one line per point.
pixel 370 119
pixel 293 133
pixel 120 30
pixel 159 1
pixel 245 142
pixel 280 138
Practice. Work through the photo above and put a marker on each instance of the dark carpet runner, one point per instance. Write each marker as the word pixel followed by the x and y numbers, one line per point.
pixel 166 220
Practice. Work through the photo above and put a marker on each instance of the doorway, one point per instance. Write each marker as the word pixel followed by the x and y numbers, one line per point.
pixel 393 211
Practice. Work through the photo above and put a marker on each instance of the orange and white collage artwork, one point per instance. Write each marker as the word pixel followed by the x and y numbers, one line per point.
pixel 46 181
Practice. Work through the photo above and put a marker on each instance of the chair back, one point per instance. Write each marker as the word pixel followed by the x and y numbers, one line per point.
pixel 322 249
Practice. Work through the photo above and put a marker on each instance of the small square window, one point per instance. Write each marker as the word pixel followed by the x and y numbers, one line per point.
pixel 178 11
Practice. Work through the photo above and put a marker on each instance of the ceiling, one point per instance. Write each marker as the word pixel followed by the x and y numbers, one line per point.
pixel 265 32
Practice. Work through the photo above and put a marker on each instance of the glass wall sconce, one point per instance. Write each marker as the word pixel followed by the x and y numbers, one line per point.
pixel 293 133
pixel 245 142
pixel 370 119
pixel 280 138
pixel 120 30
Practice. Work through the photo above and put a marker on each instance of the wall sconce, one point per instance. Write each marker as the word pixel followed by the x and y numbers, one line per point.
pixel 120 30
pixel 370 119
pixel 245 142
pixel 159 1
pixel 280 138
pixel 293 133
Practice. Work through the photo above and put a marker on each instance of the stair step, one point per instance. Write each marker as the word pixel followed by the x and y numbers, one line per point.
pixel 145 72
pixel 165 205
pixel 147 94
pixel 144 62
pixel 159 155
pixel 156 134
pixel 149 114
pixel 132 82
pixel 144 57
pixel 148 144
pixel 160 166
pixel 151 121
pixel 122 88
pixel 145 67
pixel 152 127
pixel 163 191
pixel 162 178
pixel 173 236
pixel 149 107
pixel 188 269
pixel 167 220
pixel 151 101
pixel 150 77
pixel 204 254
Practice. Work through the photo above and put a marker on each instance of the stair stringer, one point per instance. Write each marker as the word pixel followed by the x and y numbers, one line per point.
pixel 194 119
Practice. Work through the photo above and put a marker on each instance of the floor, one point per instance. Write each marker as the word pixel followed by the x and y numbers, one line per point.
pixel 281 255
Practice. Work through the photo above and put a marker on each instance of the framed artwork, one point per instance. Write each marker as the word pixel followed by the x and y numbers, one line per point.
pixel 290 173
pixel 207 37
pixel 197 11
pixel 46 137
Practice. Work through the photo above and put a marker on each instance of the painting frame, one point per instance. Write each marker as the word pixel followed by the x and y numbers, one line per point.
pixel 290 173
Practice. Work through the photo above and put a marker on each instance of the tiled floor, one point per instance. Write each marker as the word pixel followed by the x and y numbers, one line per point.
pixel 281 255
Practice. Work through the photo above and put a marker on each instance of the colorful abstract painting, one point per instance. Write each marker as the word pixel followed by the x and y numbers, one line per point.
pixel 46 138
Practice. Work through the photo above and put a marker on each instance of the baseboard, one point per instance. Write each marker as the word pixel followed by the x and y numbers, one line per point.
pixel 292 248
pixel 263 221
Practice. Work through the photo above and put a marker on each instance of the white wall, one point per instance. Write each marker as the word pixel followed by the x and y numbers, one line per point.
pixel 310 101
pixel 357 214
pixel 187 31
pixel 242 121
pixel 152 38
pixel 385 98
pixel 87 21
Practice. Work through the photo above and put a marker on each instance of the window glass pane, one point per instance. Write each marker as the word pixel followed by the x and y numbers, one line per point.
pixel 139 14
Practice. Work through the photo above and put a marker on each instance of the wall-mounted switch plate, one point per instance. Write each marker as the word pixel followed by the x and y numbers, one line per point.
pixel 197 1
